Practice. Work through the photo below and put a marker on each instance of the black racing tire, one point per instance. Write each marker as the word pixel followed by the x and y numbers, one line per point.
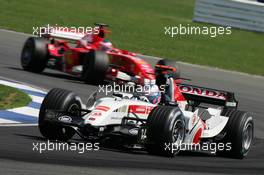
pixel 58 99
pixel 95 66
pixel 239 133
pixel 162 122
pixel 34 55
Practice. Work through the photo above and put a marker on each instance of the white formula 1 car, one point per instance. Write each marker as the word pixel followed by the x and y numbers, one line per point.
pixel 187 115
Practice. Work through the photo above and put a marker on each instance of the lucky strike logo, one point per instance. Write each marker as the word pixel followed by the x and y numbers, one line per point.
pixel 202 92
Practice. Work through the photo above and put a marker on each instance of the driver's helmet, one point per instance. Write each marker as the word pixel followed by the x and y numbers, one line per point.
pixel 106 45
pixel 151 91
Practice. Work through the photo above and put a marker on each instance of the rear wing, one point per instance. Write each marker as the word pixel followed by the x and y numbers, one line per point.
pixel 61 33
pixel 208 95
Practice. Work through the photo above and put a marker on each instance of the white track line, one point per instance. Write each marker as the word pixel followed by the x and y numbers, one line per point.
pixel 36 99
pixel 20 86
pixel 26 111
pixel 18 124
pixel 222 70
pixel 5 121
pixel 19 33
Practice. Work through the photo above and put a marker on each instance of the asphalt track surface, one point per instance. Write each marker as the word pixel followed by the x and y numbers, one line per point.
pixel 17 156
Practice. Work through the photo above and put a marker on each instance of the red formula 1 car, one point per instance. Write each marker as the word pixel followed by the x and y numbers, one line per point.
pixel 91 56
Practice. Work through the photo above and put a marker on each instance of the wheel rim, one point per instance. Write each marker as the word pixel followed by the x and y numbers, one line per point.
pixel 177 133
pixel 72 109
pixel 247 135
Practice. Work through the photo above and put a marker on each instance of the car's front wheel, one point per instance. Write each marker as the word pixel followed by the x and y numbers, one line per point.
pixel 34 55
pixel 58 99
pixel 166 131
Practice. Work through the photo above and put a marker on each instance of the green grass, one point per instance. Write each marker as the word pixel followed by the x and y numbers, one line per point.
pixel 12 98
pixel 139 26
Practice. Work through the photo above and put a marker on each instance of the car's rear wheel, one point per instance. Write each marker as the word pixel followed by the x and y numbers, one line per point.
pixel 95 66
pixel 58 99
pixel 166 131
pixel 34 55
pixel 239 132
